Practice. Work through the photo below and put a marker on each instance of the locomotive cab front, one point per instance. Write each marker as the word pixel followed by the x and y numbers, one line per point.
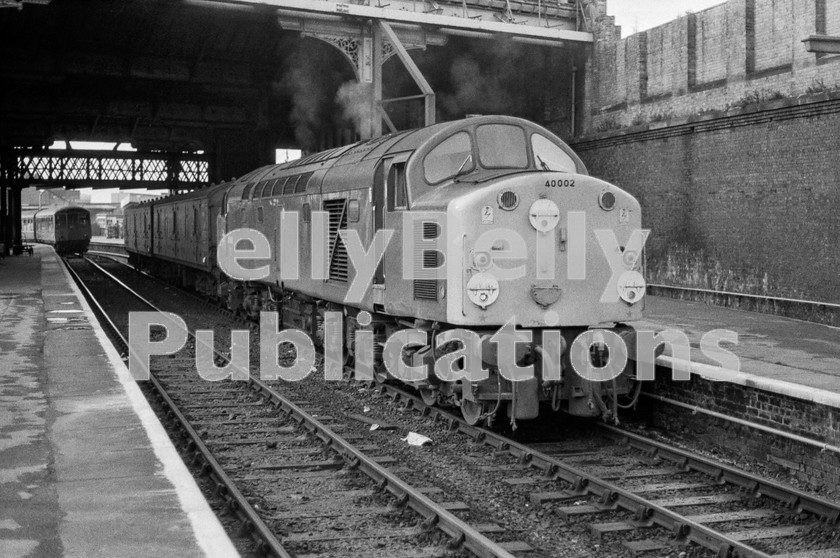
pixel 532 244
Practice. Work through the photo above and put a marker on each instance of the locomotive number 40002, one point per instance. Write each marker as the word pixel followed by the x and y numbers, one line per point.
pixel 570 183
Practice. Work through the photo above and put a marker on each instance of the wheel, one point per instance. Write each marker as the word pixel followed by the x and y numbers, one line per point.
pixel 429 395
pixel 473 411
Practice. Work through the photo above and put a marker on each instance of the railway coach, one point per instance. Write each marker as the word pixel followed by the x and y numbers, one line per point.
pixel 504 191
pixel 67 228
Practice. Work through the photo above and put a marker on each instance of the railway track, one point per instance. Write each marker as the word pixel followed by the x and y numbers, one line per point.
pixel 298 486
pixel 639 495
pixel 657 496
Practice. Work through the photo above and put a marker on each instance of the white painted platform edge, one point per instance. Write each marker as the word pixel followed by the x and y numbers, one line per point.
pixel 209 533
pixel 780 387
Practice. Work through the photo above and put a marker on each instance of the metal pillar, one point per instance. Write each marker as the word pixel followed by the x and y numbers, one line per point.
pixel 425 89
pixel 6 169
pixel 14 218
pixel 376 100
pixel 5 231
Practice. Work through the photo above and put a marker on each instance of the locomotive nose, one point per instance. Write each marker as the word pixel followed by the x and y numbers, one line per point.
pixel 552 249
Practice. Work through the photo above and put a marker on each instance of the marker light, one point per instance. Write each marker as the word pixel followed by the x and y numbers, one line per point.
pixel 607 200
pixel 483 289
pixel 631 287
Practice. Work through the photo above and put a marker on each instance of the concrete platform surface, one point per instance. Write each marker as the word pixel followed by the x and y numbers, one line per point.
pixel 106 240
pixel 86 469
pixel 782 355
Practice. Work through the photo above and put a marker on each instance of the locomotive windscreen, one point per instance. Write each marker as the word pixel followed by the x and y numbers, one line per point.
pixel 502 146
pixel 549 156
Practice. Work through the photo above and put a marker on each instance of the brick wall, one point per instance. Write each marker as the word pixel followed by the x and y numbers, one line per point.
pixel 712 32
pixel 772 30
pixel 726 55
pixel 667 51
pixel 791 459
pixel 832 17
pixel 746 203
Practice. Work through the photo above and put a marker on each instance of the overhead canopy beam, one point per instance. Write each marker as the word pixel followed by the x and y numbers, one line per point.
pixel 822 44
pixel 400 11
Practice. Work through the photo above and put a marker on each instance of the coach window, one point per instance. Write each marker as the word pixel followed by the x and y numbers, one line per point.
pixel 300 187
pixel 174 223
pixel 277 189
pixel 353 211
pixel 502 146
pixel 260 214
pixel 195 222
pixel 269 187
pixel 307 213
pixel 397 194
pixel 290 185
pixel 550 156
pixel 451 156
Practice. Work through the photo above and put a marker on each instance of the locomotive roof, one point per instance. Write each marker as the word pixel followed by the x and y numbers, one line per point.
pixel 354 159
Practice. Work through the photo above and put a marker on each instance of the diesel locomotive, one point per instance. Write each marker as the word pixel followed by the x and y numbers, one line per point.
pixel 67 228
pixel 494 227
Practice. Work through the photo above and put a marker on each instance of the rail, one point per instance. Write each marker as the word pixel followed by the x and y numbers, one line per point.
pixel 613 496
pixel 259 531
pixel 583 484
pixel 435 515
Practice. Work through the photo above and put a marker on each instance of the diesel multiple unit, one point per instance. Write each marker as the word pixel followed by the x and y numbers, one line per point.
pixel 67 229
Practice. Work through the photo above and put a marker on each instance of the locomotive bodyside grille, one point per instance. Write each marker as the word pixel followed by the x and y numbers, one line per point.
pixel 339 262
pixel 426 289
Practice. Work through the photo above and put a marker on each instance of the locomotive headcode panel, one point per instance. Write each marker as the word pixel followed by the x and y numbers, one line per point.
pixel 486 231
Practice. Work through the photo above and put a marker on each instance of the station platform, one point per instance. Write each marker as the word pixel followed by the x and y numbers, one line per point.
pixel 86 469
pixel 106 240
pixel 113 246
pixel 779 355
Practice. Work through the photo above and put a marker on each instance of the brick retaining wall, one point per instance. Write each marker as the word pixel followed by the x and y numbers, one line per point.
pixel 790 459
pixel 744 201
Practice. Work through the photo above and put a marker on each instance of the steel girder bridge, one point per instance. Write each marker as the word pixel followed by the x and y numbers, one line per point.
pixel 21 168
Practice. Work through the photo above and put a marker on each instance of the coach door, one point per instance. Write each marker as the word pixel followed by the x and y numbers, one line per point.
pixel 379 200
pixel 390 199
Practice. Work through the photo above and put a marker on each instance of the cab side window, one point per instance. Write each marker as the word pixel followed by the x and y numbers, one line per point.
pixel 397 189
